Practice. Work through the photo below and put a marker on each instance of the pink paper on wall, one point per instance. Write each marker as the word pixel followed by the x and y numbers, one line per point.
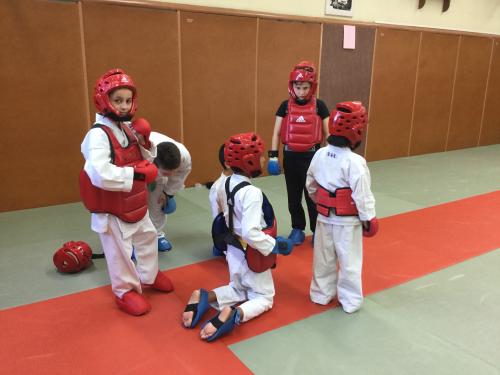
pixel 349 37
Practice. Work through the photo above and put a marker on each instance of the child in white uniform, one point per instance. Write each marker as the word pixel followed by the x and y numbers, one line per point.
pixel 174 163
pixel 338 236
pixel 255 290
pixel 115 174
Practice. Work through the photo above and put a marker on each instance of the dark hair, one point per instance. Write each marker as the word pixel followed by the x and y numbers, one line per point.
pixel 240 171
pixel 339 141
pixel 168 156
pixel 222 161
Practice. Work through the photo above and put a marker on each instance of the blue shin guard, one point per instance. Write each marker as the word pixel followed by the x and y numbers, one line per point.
pixel 223 328
pixel 199 308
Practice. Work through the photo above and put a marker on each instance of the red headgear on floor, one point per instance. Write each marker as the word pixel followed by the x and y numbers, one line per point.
pixel 73 257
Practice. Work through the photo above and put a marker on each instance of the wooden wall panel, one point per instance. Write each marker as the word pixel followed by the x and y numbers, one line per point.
pixel 218 84
pixel 490 130
pixel 145 43
pixel 43 116
pixel 393 86
pixel 436 73
pixel 469 93
pixel 277 54
pixel 221 75
pixel 346 73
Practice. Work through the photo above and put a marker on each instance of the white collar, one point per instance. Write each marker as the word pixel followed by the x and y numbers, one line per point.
pixel 100 119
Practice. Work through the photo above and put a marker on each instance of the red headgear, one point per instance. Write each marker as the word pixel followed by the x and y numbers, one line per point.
pixel 306 65
pixel 243 151
pixel 109 81
pixel 304 71
pixel 73 257
pixel 348 120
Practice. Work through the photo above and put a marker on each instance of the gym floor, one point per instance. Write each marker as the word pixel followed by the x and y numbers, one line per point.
pixel 431 282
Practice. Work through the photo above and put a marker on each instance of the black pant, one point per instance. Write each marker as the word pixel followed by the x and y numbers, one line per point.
pixel 295 165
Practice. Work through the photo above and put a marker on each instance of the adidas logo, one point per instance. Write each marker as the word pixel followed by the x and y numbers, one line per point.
pixel 300 119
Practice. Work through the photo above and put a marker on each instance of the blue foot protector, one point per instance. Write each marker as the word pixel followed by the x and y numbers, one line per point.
pixel 164 244
pixel 297 236
pixel 199 308
pixel 223 328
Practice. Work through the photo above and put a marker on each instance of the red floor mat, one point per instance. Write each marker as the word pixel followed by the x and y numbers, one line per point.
pixel 84 333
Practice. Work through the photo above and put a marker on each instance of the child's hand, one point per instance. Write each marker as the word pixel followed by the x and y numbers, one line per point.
pixel 273 167
pixel 283 246
pixel 146 171
pixel 370 228
pixel 170 206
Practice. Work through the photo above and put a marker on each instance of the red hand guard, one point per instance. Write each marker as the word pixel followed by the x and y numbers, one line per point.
pixel 149 170
pixel 372 228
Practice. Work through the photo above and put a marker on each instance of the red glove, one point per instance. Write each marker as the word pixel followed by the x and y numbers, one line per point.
pixel 370 228
pixel 142 130
pixel 146 171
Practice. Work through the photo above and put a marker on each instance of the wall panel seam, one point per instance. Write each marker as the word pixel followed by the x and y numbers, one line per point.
pixel 453 93
pixel 319 57
pixel 486 92
pixel 84 66
pixel 256 109
pixel 179 49
pixel 414 94
pixel 371 91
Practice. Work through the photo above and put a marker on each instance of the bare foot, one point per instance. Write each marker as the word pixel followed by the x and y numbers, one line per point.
pixel 187 317
pixel 209 328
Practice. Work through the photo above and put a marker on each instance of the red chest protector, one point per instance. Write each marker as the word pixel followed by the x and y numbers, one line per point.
pixel 301 128
pixel 128 206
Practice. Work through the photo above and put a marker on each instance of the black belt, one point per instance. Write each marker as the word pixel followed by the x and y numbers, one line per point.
pixel 312 149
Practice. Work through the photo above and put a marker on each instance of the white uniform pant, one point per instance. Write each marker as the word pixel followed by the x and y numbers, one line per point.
pixel 156 213
pixel 342 243
pixel 256 289
pixel 117 244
